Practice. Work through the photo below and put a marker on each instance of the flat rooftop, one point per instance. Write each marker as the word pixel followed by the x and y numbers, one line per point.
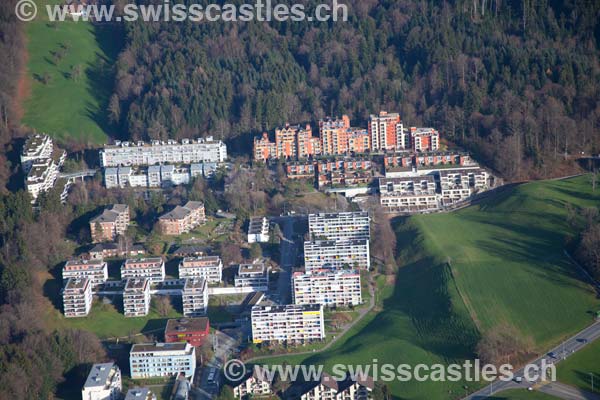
pixel 180 325
pixel 194 284
pixel 141 393
pixel 289 307
pixel 136 284
pixel 250 269
pixel 99 375
pixel 84 264
pixel 158 347
pixel 135 262
pixel 77 284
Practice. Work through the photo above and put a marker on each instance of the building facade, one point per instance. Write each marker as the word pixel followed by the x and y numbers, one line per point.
pixel 103 383
pixel 195 297
pixel 136 297
pixel 36 146
pixel 194 331
pixel 258 230
pixel 156 360
pixel 424 139
pixel 256 384
pixel 254 275
pixel 387 132
pixel 339 226
pixel 111 223
pixel 95 270
pixel 160 152
pixel 327 287
pixel 287 323
pixel 182 220
pixel 77 297
pixel 334 135
pixel 207 267
pixel 320 254
pixel 151 268
pixel 409 194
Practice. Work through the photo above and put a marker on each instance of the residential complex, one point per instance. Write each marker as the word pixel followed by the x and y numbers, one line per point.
pixel 258 230
pixel 300 169
pixel 334 135
pixel 95 270
pixel 208 267
pixel 111 223
pixel 320 254
pixel 291 142
pixel 424 139
pixel 103 383
pixel 195 297
pixel 136 297
pixel 160 152
pixel 256 384
pixel 287 323
pixel 151 268
pixel 37 146
pixel 328 388
pixel 153 360
pixel 77 297
pixel 254 275
pixel 108 250
pixel 387 132
pixel 140 393
pixel 155 176
pixel 182 219
pixel 339 226
pixel 43 173
pixel 194 331
pixel 328 287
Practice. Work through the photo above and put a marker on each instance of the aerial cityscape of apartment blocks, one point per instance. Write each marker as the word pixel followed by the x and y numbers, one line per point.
pixel 208 267
pixel 103 383
pixel 337 254
pixel 151 268
pixel 182 219
pixel 194 331
pixel 195 297
pixel 136 297
pixel 95 270
pixel 287 323
pixel 339 226
pixel 155 360
pixel 161 152
pixel 111 223
pixel 255 275
pixel 330 287
pixel 77 297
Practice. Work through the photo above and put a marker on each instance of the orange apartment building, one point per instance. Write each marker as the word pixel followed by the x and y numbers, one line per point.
pixel 387 132
pixel 112 222
pixel 264 149
pixel 334 135
pixel 182 219
pixel 424 139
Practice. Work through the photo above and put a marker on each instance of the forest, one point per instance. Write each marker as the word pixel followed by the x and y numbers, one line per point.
pixel 516 82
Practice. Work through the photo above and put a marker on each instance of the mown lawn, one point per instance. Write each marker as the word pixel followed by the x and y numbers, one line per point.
pixel 464 273
pixel 70 108
pixel 576 369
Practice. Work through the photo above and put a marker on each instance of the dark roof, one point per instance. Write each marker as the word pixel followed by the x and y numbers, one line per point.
pixel 186 325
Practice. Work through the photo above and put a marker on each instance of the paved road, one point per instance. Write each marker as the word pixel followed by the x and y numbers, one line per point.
pixel 555 355
pixel 567 392
pixel 288 250
pixel 209 389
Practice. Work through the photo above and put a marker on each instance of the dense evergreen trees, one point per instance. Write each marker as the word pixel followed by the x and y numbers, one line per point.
pixel 515 81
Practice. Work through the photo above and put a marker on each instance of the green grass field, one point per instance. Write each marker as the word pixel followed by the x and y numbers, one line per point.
pixel 522 394
pixel 71 109
pixel 576 369
pixel 507 266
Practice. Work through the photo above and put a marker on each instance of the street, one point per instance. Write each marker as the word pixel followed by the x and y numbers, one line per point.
pixel 208 379
pixel 555 355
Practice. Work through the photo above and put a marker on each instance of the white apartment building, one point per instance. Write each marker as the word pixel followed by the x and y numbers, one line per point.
pixel 330 388
pixel 409 194
pixel 320 254
pixel 254 275
pixel 103 383
pixel 36 147
pixel 195 297
pixel 208 267
pixel 136 297
pixel 151 268
pixel 287 323
pixel 256 384
pixel 95 270
pixel 154 360
pixel 42 175
pixel 160 152
pixel 258 230
pixel 140 393
pixel 336 287
pixel 339 226
pixel 77 297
